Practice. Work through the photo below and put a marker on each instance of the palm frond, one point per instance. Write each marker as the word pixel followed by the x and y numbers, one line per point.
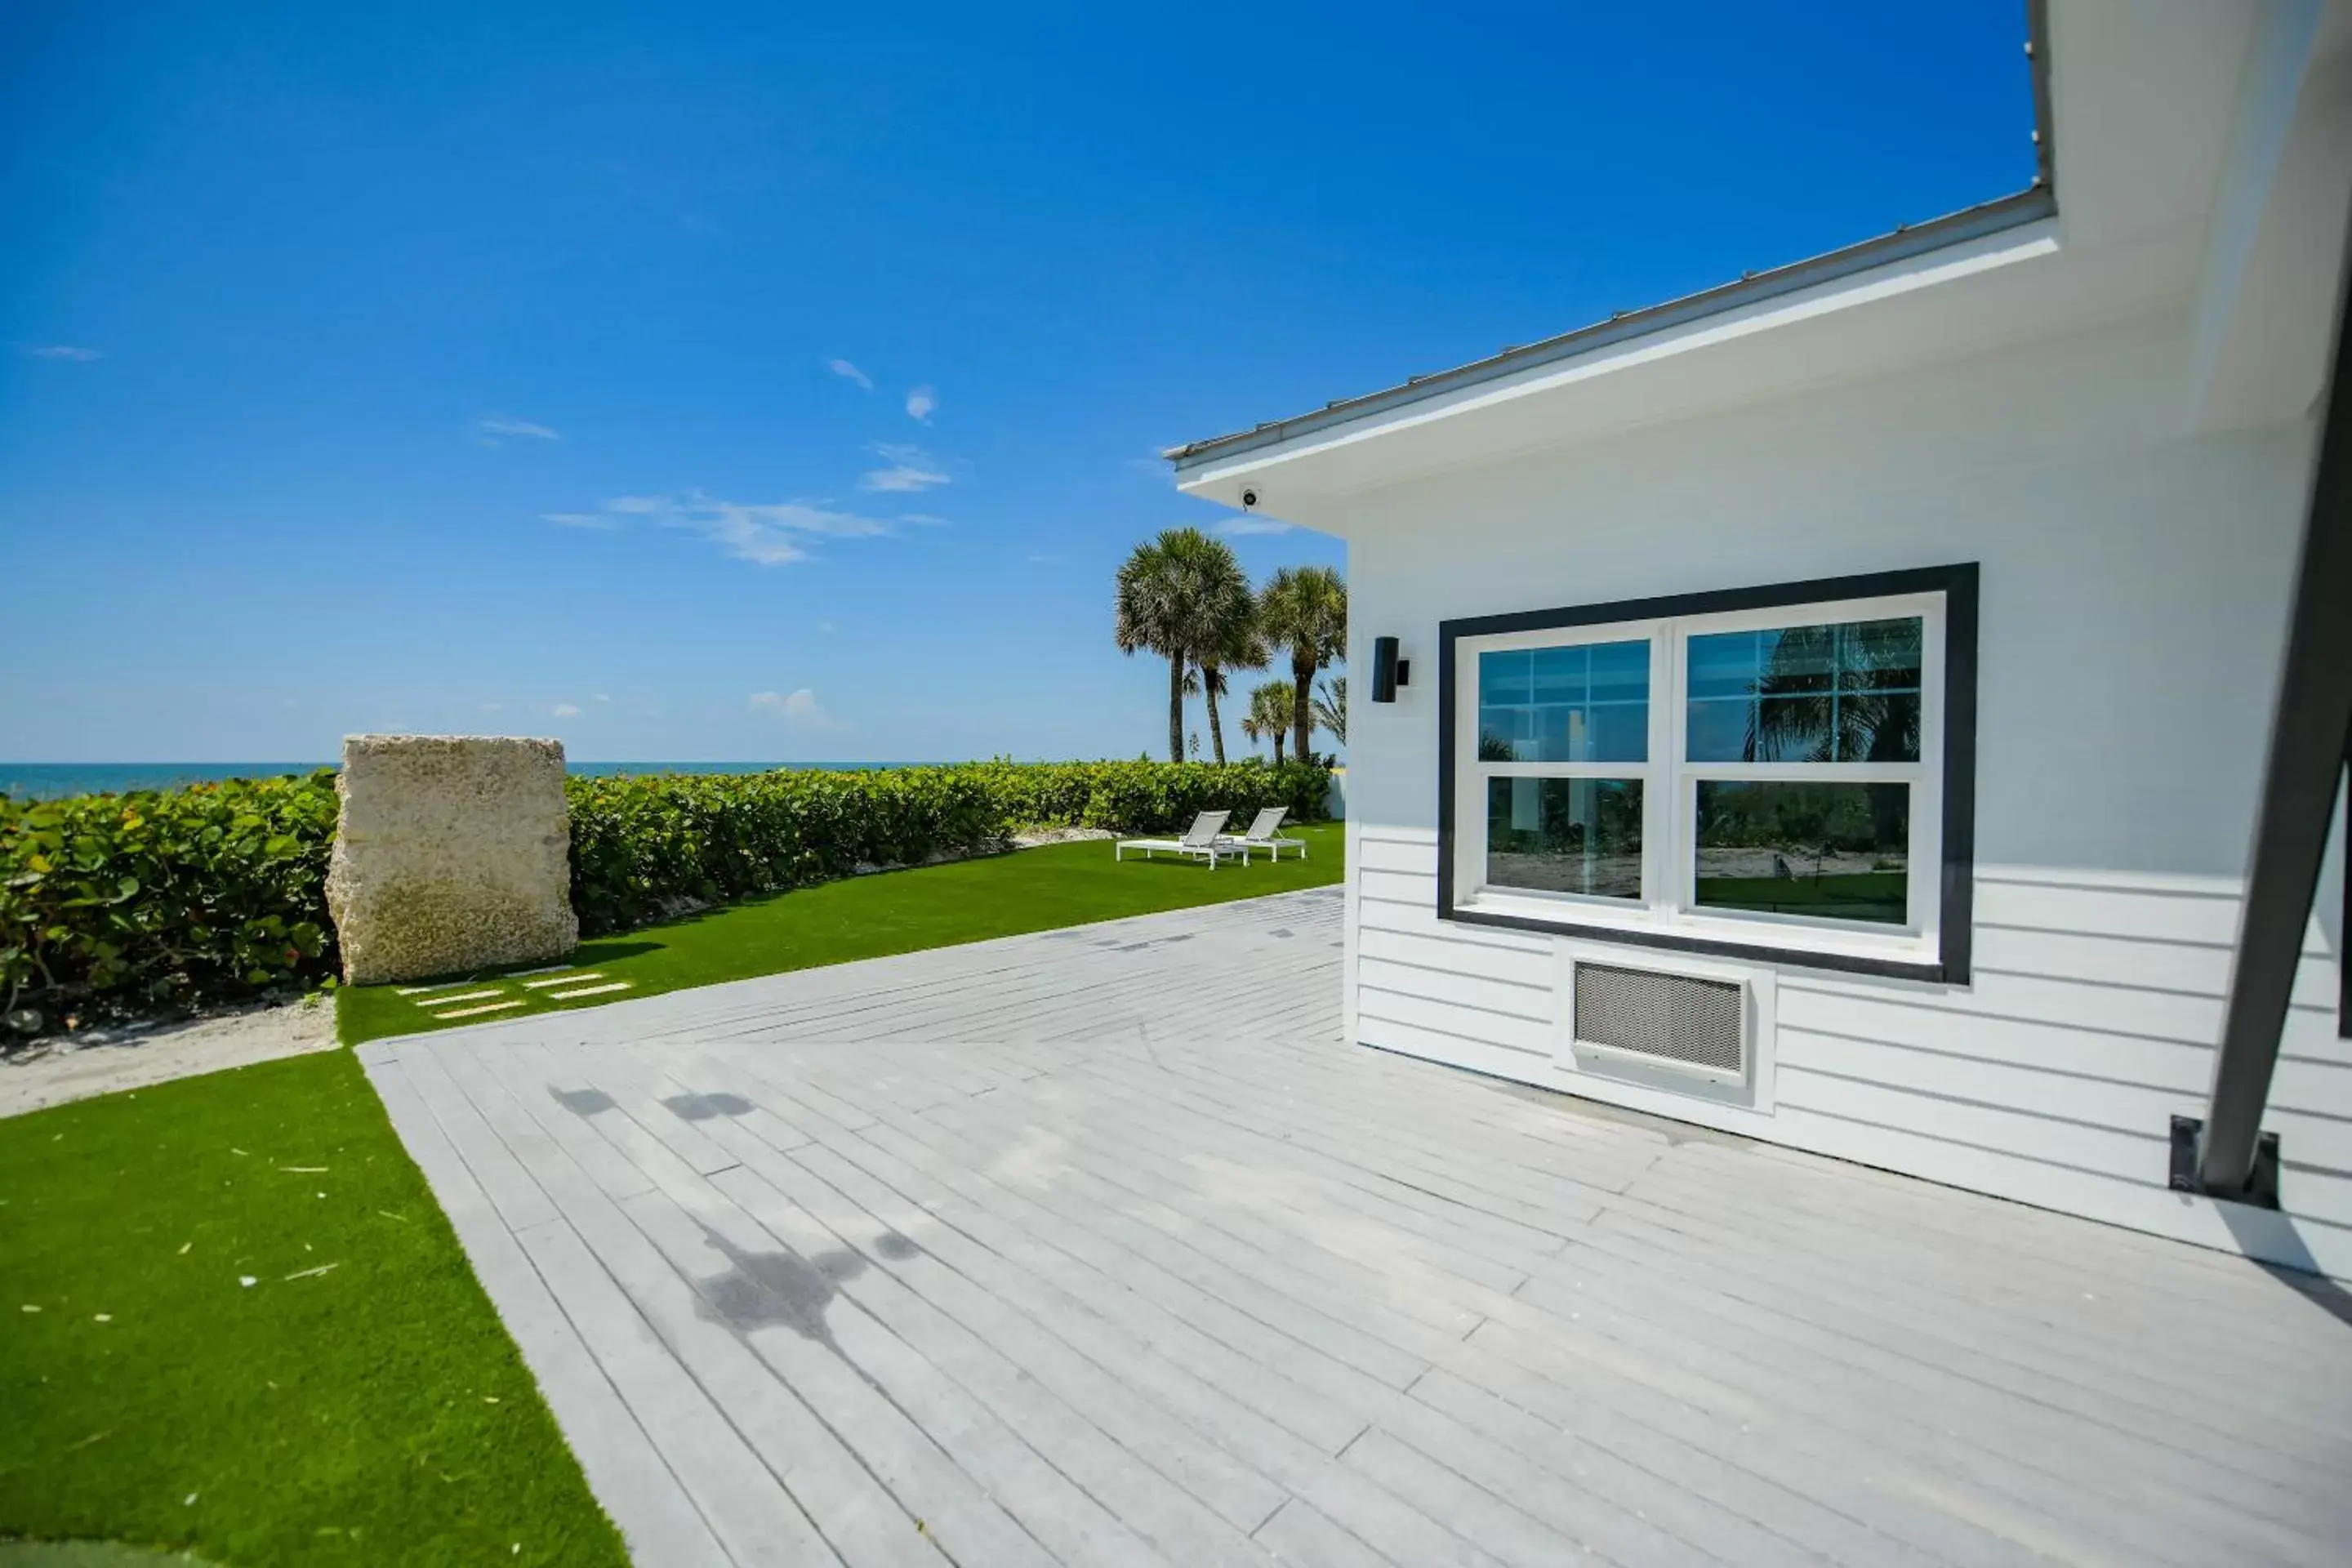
pixel 1331 706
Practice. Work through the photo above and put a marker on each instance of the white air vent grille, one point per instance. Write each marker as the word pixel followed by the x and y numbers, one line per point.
pixel 1671 1018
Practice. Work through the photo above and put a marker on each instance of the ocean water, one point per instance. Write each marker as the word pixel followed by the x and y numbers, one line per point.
pixel 55 780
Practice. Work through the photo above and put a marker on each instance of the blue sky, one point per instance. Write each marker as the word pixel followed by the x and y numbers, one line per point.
pixel 732 382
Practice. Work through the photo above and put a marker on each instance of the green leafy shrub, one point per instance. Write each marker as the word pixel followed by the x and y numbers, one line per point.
pixel 641 846
pixel 159 899
pixel 164 898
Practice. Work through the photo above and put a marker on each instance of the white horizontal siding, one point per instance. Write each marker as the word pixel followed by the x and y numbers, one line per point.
pixel 2144 1110
pixel 2005 901
pixel 2113 1150
pixel 2148 1010
pixel 1529 967
pixel 1455 1005
pixel 2317 1141
pixel 1419 918
pixel 1918 1022
pixel 1397 887
pixel 2077 957
pixel 2052 1078
pixel 1395 855
pixel 1477 1054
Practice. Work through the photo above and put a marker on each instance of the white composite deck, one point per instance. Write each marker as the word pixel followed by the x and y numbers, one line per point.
pixel 1099 1247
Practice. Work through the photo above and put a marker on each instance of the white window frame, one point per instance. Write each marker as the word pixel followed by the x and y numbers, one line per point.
pixel 1648 772
pixel 1667 911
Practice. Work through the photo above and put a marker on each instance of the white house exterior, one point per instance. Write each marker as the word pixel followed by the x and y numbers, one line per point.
pixel 1891 645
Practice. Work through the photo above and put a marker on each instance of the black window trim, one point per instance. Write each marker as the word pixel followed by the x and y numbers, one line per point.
pixel 1957 583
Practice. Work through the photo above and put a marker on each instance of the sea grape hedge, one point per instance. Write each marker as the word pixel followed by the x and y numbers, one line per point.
pixel 114 904
pixel 642 845
pixel 126 903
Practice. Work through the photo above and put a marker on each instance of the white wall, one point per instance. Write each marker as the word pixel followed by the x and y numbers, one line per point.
pixel 2135 580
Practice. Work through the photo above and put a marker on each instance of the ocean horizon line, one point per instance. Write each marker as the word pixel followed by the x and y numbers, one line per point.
pixel 62 780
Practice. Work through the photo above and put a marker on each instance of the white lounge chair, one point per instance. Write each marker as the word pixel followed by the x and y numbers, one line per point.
pixel 1201 842
pixel 1261 836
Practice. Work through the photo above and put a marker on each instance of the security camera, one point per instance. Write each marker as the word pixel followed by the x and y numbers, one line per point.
pixel 1249 500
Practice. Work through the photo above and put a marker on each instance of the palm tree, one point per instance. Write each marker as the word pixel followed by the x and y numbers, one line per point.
pixel 1269 715
pixel 1331 706
pixel 1233 642
pixel 1305 609
pixel 1838 693
pixel 1175 600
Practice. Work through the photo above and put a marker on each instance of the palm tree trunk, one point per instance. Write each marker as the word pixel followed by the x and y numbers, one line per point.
pixel 1216 730
pixel 1302 710
pixel 1176 709
pixel 1278 738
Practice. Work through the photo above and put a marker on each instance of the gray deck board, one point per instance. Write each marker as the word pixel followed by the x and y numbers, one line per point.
pixel 622 1462
pixel 994 1297
pixel 1297 1534
pixel 1098 1247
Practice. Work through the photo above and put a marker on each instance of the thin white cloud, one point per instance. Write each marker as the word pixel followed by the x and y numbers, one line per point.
pixel 73 351
pixel 567 710
pixel 799 708
pixel 1045 560
pixel 924 518
pixel 499 425
pixel 580 519
pixel 921 403
pixel 848 371
pixel 768 534
pixel 1234 527
pixel 493 707
pixel 826 627
pixel 604 697
pixel 909 469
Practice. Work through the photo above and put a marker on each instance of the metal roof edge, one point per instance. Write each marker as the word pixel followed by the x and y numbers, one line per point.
pixel 2031 204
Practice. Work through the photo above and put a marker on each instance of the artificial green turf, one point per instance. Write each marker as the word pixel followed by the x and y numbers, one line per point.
pixel 869 916
pixel 359 1402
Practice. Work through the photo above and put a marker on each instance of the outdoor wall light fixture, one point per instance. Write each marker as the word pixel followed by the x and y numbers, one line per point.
pixel 1389 671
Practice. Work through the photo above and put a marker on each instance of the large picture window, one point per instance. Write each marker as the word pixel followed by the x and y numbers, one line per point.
pixel 1784 772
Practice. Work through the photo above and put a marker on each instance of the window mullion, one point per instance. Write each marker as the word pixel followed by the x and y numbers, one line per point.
pixel 1662 820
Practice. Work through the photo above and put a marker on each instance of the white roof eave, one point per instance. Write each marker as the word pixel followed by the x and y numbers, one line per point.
pixel 1849 326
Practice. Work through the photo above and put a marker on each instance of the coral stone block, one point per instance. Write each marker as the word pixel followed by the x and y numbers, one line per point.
pixel 452 852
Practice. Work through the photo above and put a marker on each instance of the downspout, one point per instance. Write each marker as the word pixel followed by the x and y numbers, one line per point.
pixel 2309 724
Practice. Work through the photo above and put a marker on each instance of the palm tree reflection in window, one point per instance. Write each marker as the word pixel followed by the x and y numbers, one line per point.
pixel 1834 694
pixel 1845 693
